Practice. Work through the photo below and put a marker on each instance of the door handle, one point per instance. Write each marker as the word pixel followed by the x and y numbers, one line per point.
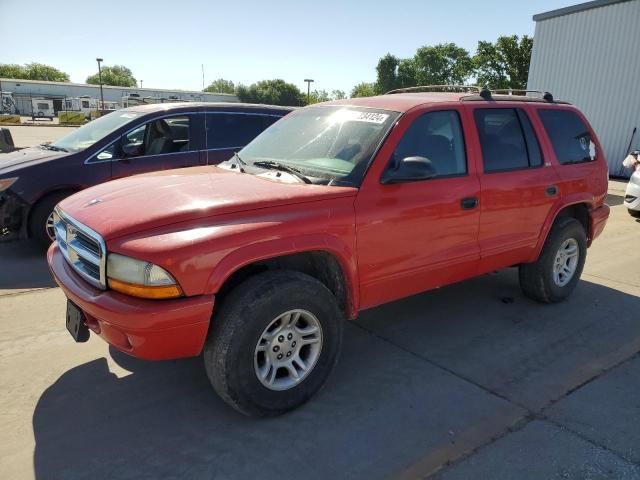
pixel 551 190
pixel 469 203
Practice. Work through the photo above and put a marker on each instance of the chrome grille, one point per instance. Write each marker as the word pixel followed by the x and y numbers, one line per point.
pixel 83 248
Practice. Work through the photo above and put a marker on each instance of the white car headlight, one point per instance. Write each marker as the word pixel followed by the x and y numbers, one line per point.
pixel 139 278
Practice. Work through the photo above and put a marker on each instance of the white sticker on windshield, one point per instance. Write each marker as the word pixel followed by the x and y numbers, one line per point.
pixel 345 115
pixel 371 117
pixel 128 115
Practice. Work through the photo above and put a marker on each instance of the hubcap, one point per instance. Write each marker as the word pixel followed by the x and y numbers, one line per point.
pixel 566 262
pixel 288 349
pixel 50 227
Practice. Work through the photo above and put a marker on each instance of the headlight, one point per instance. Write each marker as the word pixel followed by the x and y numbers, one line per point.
pixel 7 182
pixel 140 279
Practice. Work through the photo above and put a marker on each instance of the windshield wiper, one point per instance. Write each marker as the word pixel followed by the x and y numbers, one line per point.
pixel 48 146
pixel 270 164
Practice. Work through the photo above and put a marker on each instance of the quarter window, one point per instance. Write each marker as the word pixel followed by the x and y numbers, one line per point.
pixel 436 136
pixel 228 130
pixel 570 137
pixel 507 139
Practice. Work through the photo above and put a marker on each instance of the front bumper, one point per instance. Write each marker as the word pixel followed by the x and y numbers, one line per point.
pixel 632 194
pixel 149 329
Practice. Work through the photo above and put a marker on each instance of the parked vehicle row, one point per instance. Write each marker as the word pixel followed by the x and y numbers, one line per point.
pixel 130 141
pixel 632 194
pixel 333 209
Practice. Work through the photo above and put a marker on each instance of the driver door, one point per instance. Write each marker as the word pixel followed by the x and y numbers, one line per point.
pixel 160 144
pixel 418 235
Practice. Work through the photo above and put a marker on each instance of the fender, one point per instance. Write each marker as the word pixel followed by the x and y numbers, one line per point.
pixel 270 249
pixel 564 202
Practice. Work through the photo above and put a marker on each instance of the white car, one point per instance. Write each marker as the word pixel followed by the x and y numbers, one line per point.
pixel 632 195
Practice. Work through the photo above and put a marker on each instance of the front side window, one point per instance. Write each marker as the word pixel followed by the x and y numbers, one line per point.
pixel 436 136
pixel 329 144
pixel 158 137
pixel 507 139
pixel 234 130
pixel 570 137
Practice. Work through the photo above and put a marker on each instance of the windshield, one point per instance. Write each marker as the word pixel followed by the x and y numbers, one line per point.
pixel 330 145
pixel 90 133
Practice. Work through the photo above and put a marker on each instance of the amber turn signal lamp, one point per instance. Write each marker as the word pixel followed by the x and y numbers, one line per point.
pixel 159 292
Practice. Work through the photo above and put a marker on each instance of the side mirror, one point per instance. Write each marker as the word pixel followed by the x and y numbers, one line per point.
pixel 131 149
pixel 410 169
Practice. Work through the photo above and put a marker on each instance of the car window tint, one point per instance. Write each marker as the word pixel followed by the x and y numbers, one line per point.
pixel 438 137
pixel 570 137
pixel 162 136
pixel 501 139
pixel 229 130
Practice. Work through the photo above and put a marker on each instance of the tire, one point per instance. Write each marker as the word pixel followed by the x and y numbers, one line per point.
pixel 40 215
pixel 634 213
pixel 538 280
pixel 230 354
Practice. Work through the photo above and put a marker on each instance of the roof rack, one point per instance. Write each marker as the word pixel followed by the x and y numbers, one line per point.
pixel 444 88
pixel 479 93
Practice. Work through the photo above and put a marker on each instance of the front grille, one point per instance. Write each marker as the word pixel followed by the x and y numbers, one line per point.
pixel 83 248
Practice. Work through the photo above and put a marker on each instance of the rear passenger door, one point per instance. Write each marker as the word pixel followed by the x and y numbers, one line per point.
pixel 159 144
pixel 518 188
pixel 229 132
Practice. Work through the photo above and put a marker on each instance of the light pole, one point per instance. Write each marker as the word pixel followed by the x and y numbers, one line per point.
pixel 140 84
pixel 308 80
pixel 100 80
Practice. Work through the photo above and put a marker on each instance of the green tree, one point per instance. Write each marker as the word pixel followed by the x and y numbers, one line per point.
pixel 221 86
pixel 33 71
pixel 505 63
pixel 118 76
pixel 387 70
pixel 316 96
pixel 12 70
pixel 338 95
pixel 363 89
pixel 274 92
pixel 442 64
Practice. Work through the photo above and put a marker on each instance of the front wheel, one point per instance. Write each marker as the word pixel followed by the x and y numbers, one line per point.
pixel 557 271
pixel 634 213
pixel 273 343
pixel 41 226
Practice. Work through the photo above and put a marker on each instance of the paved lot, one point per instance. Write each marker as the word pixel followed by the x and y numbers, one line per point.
pixel 28 136
pixel 469 381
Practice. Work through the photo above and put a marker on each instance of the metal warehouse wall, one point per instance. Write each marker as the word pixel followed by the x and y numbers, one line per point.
pixel 591 58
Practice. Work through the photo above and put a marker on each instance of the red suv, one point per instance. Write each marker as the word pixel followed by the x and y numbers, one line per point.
pixel 334 209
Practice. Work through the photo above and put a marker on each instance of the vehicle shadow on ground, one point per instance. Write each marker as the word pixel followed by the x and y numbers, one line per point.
pixel 383 408
pixel 23 264
pixel 614 200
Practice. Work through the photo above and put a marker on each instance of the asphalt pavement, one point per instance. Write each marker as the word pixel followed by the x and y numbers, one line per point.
pixel 470 381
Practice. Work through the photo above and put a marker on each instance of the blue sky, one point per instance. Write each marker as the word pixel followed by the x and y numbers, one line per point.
pixel 337 43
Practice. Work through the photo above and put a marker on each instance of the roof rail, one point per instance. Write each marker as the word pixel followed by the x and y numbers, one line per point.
pixel 510 91
pixel 444 88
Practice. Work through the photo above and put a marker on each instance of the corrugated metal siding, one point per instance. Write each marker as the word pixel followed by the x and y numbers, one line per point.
pixel 592 59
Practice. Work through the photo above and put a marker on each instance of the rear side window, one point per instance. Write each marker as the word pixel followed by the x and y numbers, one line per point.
pixel 234 130
pixel 570 137
pixel 507 139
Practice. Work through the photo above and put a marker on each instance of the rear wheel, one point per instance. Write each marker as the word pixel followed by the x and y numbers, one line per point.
pixel 41 219
pixel 273 343
pixel 555 274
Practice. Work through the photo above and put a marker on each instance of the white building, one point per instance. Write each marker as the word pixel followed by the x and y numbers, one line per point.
pixel 589 55
pixel 23 91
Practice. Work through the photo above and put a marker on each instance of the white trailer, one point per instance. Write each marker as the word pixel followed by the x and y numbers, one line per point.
pixel 42 108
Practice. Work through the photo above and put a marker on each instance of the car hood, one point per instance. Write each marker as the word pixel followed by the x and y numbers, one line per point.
pixel 26 158
pixel 142 202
